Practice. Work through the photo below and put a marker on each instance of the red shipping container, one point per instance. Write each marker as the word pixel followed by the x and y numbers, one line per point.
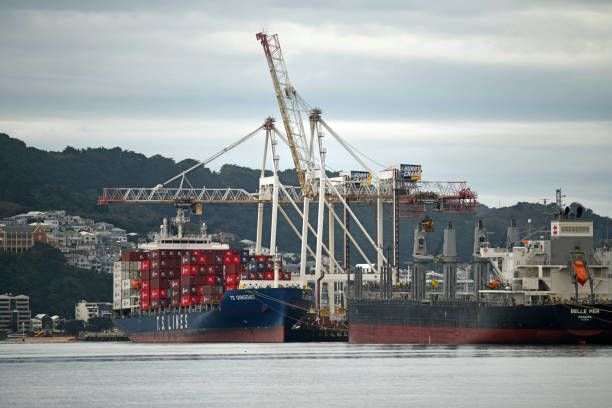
pixel 286 276
pixel 262 258
pixel 154 274
pixel 269 275
pixel 211 280
pixel 145 265
pixel 186 270
pixel 141 256
pixel 163 274
pixel 196 300
pixel 145 285
pixel 159 294
pixel 231 287
pixel 231 279
pixel 244 275
pixel 189 290
pixel 174 284
pixel 189 280
pixel 259 275
pixel 155 304
pixel 154 264
pixel 195 252
pixel 212 269
pixel 232 268
pixel 202 259
pixel 168 263
pixel 144 295
pixel 159 283
pixel 175 293
pixel 251 275
pixel 164 302
pixel 175 302
pixel 207 299
pixel 145 305
pixel 185 300
pixel 154 254
pixel 228 252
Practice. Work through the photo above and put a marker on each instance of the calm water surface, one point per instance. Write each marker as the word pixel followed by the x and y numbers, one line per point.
pixel 303 375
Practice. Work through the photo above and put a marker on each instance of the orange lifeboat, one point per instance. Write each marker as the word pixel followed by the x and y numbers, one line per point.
pixel 581 273
pixel 135 284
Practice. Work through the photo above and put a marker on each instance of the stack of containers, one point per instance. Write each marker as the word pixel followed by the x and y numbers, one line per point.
pixel 130 264
pixel 236 263
pixel 211 275
pixel 190 272
pixel 261 267
pixel 117 286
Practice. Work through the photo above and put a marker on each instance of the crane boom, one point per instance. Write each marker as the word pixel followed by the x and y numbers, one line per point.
pixel 276 64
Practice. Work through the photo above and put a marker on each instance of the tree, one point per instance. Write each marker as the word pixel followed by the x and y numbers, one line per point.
pixel 73 327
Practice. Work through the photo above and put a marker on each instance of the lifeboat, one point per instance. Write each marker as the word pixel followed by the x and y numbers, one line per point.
pixel 581 274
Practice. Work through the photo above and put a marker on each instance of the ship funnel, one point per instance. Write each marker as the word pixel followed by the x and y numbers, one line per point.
pixel 480 238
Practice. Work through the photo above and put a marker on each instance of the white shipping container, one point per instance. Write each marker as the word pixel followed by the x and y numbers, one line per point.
pixel 125 284
pixel 125 303
pixel 117 266
pixel 117 294
pixel 125 293
pixel 125 274
pixel 117 284
pixel 117 304
pixel 117 275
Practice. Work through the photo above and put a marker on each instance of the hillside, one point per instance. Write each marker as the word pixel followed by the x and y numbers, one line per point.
pixel 54 287
pixel 33 179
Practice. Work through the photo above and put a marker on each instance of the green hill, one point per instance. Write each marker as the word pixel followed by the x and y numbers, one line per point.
pixel 33 179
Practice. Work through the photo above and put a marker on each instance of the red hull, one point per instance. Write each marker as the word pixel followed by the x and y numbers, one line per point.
pixel 238 335
pixel 394 334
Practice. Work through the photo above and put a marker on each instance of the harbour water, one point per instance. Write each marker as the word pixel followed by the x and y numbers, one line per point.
pixel 303 375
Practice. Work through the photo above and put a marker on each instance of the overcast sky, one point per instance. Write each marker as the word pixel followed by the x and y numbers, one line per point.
pixel 515 97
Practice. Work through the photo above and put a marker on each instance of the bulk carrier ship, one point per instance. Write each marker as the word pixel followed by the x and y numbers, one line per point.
pixel 547 291
pixel 186 288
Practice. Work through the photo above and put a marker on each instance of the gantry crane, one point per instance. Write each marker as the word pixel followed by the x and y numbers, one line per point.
pixel 401 186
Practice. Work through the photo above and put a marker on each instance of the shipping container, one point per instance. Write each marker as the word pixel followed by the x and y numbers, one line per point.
pixel 174 284
pixel 262 258
pixel 159 283
pixel 231 287
pixel 145 265
pixel 175 302
pixel 116 304
pixel 174 273
pixel 175 293
pixel 145 285
pixel 268 275
pixel 144 304
pixel 286 276
pixel 125 283
pixel 231 279
pixel 144 275
pixel 125 303
pixel 125 293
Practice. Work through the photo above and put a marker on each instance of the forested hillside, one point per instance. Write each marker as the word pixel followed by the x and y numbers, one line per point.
pixel 54 286
pixel 33 179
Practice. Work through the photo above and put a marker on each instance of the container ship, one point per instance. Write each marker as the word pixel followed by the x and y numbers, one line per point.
pixel 186 288
pixel 534 291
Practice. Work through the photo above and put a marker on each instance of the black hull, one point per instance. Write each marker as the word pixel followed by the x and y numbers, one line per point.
pixel 473 323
